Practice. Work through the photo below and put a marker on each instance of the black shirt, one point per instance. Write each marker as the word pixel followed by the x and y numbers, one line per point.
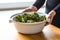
pixel 50 5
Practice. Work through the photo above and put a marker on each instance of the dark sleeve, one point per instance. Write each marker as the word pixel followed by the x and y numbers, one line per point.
pixel 38 3
pixel 57 8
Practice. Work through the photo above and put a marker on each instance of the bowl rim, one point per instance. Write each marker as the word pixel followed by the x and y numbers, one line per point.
pixel 29 23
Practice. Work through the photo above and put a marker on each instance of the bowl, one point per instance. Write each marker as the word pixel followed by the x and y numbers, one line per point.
pixel 29 28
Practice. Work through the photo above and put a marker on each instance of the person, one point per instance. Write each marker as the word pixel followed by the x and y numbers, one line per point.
pixel 52 9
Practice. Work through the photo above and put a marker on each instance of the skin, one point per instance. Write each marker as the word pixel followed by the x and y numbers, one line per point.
pixel 30 9
pixel 51 14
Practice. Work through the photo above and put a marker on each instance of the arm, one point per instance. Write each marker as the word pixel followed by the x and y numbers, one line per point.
pixel 35 6
pixel 55 11
pixel 38 3
pixel 57 8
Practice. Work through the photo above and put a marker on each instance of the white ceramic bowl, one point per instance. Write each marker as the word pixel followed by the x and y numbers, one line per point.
pixel 30 28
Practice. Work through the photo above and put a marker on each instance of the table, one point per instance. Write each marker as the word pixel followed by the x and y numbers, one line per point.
pixel 8 31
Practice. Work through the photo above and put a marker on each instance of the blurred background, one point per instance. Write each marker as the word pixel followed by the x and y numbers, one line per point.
pixel 15 4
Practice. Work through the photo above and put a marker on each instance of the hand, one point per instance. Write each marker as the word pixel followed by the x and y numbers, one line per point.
pixel 51 16
pixel 30 9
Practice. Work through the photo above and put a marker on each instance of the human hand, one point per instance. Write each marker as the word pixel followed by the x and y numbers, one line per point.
pixel 51 16
pixel 30 9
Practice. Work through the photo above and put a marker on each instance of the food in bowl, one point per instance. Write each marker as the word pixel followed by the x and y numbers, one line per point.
pixel 29 22
pixel 29 18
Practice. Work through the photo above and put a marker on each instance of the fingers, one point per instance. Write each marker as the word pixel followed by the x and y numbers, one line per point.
pixel 30 9
pixel 51 16
pixel 27 10
pixel 46 23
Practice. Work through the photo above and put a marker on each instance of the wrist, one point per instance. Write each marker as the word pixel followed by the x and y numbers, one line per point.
pixel 54 13
pixel 33 8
